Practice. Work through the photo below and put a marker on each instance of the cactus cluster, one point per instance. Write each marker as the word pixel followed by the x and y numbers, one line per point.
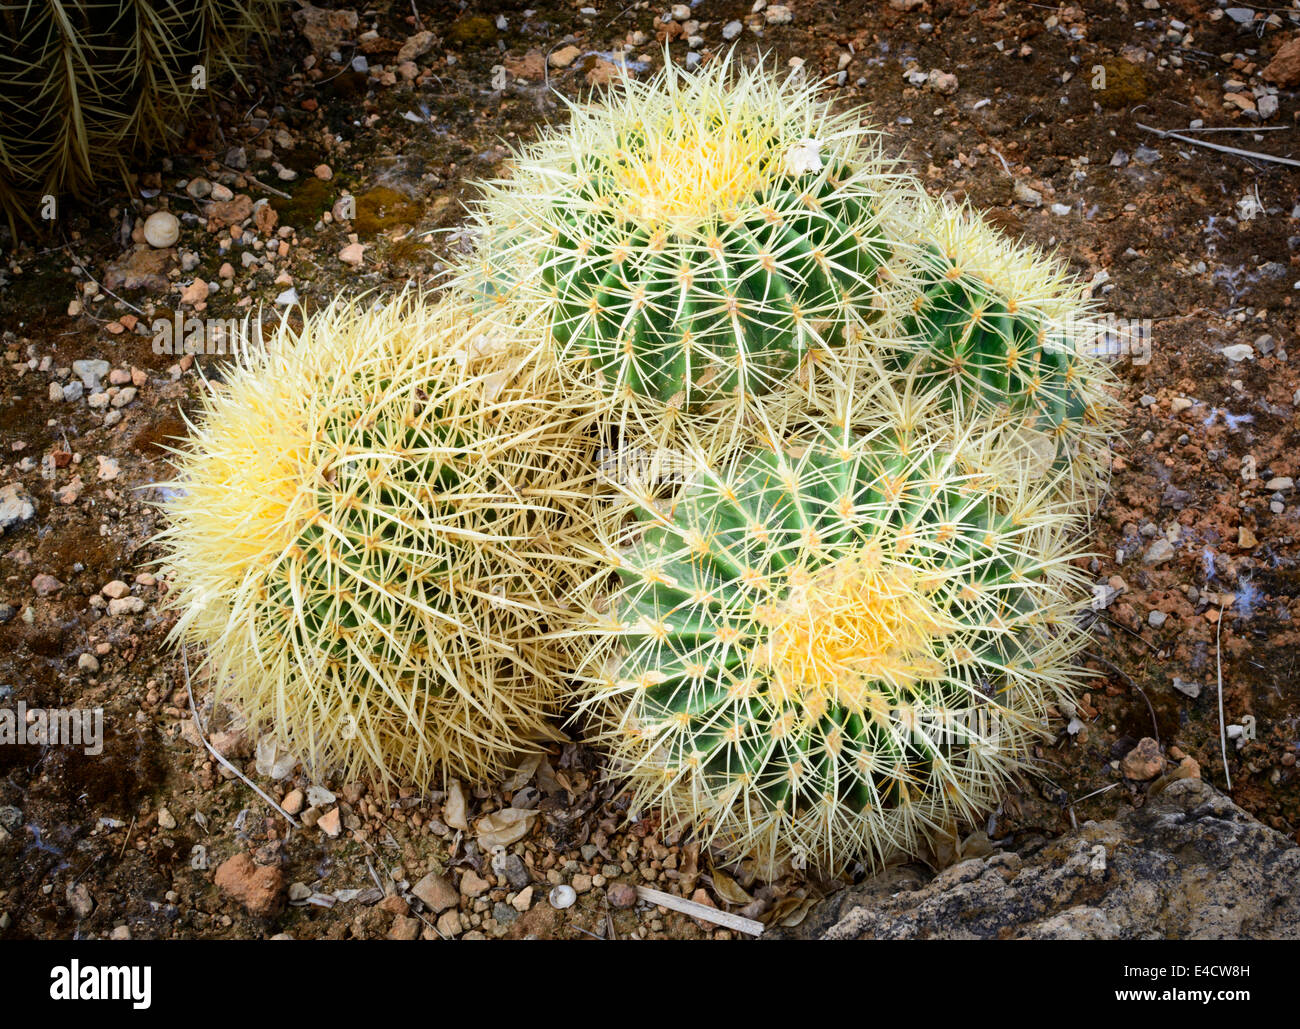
pixel 837 646
pixel 833 640
pixel 368 533
pixel 85 86
pixel 696 240
pixel 881 534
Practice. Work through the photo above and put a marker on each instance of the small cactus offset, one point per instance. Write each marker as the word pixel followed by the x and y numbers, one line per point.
pixel 695 239
pixel 369 529
pixel 1007 331
pixel 840 647
pixel 85 86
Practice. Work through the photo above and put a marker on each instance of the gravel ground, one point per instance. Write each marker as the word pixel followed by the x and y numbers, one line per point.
pixel 1031 111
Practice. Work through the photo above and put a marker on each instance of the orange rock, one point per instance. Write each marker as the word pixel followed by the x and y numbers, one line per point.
pixel 329 823
pixel 1188 768
pixel 196 292
pixel 404 928
pixel 529 67
pixel 257 887
pixel 265 218
pixel 229 212
pixel 700 896
pixel 1284 69
pixel 1143 762
pixel 602 72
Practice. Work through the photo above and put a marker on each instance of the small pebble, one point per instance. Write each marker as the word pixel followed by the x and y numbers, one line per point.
pixel 562 897
pixel 621 895
pixel 162 229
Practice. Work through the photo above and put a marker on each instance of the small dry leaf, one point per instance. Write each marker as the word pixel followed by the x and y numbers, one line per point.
pixel 729 890
pixel 945 848
pixel 569 781
pixel 546 780
pixel 272 760
pixel 504 827
pixel 689 868
pixel 798 913
pixel 523 774
pixel 976 845
pixel 486 344
pixel 493 384
pixel 785 908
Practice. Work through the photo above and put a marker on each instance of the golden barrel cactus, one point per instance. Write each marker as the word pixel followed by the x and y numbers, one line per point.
pixel 838 643
pixel 695 243
pixel 371 538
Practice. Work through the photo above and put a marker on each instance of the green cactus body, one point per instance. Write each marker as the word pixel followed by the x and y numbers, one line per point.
pixel 729 306
pixel 835 649
pixel 1006 331
pixel 331 582
pixel 695 239
pixel 993 351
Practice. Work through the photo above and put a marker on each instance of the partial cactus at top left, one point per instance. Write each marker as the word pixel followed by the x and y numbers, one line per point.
pixel 371 535
pixel 697 238
pixel 84 86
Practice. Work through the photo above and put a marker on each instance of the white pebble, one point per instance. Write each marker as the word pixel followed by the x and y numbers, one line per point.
pixel 563 897
pixel 126 606
pixel 162 229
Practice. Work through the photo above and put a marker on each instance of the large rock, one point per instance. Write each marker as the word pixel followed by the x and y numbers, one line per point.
pixel 1189 864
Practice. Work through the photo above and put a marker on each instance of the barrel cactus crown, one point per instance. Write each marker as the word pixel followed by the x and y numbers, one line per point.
pixel 839 647
pixel 368 532
pixel 1007 331
pixel 695 239
pixel 84 86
